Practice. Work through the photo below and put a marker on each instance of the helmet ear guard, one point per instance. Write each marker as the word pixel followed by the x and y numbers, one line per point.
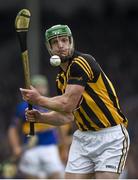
pixel 57 31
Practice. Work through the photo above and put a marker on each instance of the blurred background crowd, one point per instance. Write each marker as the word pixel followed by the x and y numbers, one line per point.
pixel 106 29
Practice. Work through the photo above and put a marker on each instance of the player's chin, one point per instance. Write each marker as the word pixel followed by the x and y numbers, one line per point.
pixel 63 53
pixel 62 56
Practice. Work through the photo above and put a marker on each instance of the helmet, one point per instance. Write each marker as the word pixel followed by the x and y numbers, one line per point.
pixel 40 82
pixel 58 30
pixel 39 79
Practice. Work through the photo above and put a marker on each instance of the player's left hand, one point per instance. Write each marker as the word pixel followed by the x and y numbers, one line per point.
pixel 30 95
pixel 32 115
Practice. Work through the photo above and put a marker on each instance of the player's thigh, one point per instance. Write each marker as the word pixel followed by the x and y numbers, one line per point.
pixel 78 160
pixel 106 175
pixel 79 176
pixel 113 154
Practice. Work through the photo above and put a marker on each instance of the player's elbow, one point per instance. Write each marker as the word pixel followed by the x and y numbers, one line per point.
pixel 68 117
pixel 68 106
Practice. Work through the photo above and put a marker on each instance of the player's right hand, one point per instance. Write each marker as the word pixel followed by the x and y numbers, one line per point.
pixel 31 95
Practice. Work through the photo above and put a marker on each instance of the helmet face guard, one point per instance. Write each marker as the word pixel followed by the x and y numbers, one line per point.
pixel 57 31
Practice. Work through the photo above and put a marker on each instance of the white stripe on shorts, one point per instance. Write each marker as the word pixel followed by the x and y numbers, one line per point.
pixel 124 150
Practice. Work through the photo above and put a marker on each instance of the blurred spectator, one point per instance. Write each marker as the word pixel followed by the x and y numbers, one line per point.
pixel 39 154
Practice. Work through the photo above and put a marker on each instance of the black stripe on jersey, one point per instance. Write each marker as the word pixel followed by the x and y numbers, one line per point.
pixel 61 80
pixel 84 66
pixel 122 115
pixel 92 116
pixel 59 92
pixel 112 97
pixel 101 105
pixel 94 66
pixel 83 129
pixel 83 60
pixel 87 123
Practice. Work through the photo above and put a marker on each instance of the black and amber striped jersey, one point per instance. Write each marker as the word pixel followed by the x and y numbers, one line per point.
pixel 99 106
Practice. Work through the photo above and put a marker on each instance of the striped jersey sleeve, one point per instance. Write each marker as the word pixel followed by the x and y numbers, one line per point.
pixel 79 72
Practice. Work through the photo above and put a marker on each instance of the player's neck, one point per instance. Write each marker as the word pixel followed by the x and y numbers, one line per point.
pixel 64 66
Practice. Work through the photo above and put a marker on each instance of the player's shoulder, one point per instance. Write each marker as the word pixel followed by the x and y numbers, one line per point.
pixel 84 57
pixel 87 61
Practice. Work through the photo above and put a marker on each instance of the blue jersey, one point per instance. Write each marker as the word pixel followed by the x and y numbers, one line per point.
pixel 46 134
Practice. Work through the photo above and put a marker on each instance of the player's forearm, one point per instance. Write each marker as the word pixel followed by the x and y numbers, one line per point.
pixel 57 103
pixel 56 118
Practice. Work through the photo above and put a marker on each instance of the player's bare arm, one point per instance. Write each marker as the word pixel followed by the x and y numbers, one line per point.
pixel 64 103
pixel 53 118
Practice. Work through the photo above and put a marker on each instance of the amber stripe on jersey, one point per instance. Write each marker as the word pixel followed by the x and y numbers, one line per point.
pixel 102 106
pixel 84 65
pixel 82 59
pixel 113 97
pixel 61 83
pixel 80 122
pixel 94 111
pixel 89 109
pixel 100 96
pixel 90 125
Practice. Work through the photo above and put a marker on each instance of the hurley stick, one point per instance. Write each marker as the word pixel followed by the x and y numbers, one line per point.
pixel 22 22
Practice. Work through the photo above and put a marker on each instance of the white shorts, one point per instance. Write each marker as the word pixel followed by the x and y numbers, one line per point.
pixel 41 161
pixel 104 150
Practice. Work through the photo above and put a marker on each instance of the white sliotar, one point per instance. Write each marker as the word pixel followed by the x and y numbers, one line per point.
pixel 55 60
